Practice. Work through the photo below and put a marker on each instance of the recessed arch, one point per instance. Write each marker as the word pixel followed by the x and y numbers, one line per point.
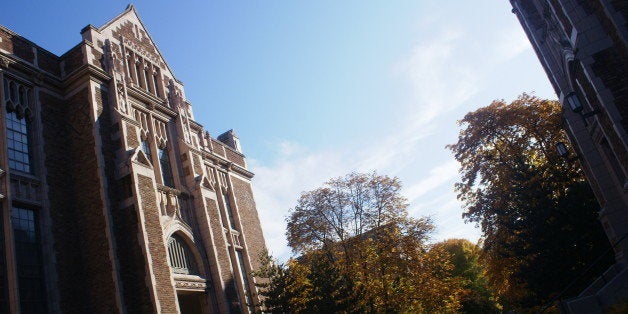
pixel 182 257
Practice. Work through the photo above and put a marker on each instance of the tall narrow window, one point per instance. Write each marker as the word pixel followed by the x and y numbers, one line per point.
pixel 613 161
pixel 3 269
pixel 156 83
pixel 138 73
pixel 129 68
pixel 17 142
pixel 29 262
pixel 148 76
pixel 229 210
pixel 166 170
pixel 245 279
pixel 146 150
pixel 232 292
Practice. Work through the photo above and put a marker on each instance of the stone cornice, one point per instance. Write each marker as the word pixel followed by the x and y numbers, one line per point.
pixel 85 70
pixel 130 120
pixel 196 125
pixel 227 164
pixel 189 282
pixel 150 99
pixel 37 75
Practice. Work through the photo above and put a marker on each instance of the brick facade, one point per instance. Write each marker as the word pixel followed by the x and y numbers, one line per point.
pixel 582 45
pixel 107 213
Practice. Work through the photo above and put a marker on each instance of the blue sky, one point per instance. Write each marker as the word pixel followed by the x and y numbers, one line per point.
pixel 317 89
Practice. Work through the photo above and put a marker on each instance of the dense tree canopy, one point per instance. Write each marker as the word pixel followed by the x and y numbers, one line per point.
pixel 360 252
pixel 466 258
pixel 537 213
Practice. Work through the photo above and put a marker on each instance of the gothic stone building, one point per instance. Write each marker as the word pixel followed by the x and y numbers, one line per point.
pixel 582 45
pixel 113 199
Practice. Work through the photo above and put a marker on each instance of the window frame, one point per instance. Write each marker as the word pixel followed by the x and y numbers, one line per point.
pixel 23 132
pixel 36 247
pixel 165 166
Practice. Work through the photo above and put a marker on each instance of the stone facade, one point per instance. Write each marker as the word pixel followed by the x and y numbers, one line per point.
pixel 113 199
pixel 582 45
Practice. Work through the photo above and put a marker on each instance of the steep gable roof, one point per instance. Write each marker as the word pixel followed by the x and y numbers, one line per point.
pixel 129 25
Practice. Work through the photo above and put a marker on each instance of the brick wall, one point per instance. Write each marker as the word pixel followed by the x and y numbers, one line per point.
pixel 127 31
pixel 249 220
pixel 131 136
pixel 66 235
pixel 129 253
pixel 48 62
pixel 222 258
pixel 217 148
pixel 16 45
pixel 98 59
pixel 154 234
pixel 235 157
pixel 81 244
pixel 73 59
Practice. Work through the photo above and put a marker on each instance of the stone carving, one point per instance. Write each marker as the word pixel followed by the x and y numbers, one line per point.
pixel 5 62
pixel 551 29
pixel 195 285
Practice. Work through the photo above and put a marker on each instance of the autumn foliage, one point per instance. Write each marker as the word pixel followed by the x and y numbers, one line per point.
pixel 361 253
pixel 537 213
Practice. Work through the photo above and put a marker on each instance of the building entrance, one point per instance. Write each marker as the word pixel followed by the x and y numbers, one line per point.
pixel 190 303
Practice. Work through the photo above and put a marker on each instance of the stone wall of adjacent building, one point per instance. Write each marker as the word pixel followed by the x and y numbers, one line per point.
pixel 582 45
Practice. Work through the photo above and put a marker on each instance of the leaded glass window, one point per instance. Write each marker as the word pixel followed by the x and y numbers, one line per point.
pixel 3 269
pixel 29 260
pixel 229 210
pixel 146 150
pixel 166 170
pixel 18 143
pixel 180 256
pixel 245 279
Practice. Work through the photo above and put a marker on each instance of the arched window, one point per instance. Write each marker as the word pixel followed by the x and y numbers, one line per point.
pixel 180 256
pixel 17 98
pixel 146 149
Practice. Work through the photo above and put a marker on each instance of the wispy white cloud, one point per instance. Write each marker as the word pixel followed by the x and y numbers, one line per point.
pixel 511 42
pixel 277 187
pixel 439 175
pixel 441 79
pixel 444 72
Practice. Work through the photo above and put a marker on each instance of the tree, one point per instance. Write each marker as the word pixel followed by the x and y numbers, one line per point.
pixel 468 267
pixel 283 288
pixel 344 208
pixel 363 252
pixel 537 213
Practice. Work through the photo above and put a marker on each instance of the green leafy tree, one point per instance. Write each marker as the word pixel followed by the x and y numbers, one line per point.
pixel 468 267
pixel 537 213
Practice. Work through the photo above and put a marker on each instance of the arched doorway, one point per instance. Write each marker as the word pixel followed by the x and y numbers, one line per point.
pixel 189 284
